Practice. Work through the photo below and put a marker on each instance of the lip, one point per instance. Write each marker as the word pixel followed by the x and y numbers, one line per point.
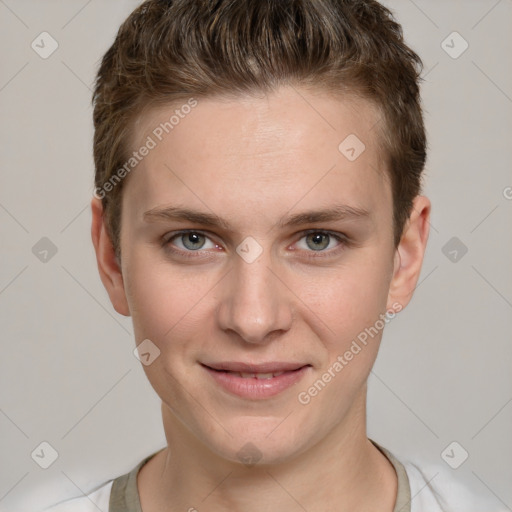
pixel 253 387
pixel 266 367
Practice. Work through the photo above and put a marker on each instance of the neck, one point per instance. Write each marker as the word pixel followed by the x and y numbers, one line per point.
pixel 344 472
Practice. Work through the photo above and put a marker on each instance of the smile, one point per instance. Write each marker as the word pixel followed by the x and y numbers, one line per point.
pixel 243 380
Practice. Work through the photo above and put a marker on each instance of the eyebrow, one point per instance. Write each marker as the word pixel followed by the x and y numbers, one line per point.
pixel 333 213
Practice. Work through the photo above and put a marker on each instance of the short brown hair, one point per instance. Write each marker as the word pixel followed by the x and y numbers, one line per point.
pixel 171 50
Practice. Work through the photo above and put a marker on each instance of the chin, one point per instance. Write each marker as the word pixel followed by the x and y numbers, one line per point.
pixel 260 441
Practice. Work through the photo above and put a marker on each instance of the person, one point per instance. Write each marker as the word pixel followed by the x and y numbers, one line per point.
pixel 258 213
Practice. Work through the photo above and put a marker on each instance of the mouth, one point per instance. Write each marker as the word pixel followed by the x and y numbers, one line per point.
pixel 256 381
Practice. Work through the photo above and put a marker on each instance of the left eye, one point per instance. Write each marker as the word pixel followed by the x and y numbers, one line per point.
pixel 319 241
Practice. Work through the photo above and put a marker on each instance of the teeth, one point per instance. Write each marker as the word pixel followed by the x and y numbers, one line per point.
pixel 256 375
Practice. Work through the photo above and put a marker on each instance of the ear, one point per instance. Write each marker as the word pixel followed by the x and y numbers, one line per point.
pixel 110 272
pixel 409 254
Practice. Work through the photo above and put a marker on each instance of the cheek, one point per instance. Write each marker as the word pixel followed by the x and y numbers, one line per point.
pixel 350 303
pixel 162 300
pixel 167 308
pixel 349 299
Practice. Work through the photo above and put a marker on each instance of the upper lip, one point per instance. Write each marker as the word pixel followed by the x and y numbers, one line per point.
pixel 267 367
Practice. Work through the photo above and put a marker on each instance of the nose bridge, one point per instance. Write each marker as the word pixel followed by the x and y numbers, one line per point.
pixel 255 302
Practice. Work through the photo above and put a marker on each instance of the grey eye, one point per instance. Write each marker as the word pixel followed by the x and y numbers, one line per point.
pixel 193 241
pixel 317 241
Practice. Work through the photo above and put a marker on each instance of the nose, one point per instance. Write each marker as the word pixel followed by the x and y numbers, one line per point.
pixel 255 303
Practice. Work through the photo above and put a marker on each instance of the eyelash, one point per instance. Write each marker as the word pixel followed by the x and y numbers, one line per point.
pixel 339 237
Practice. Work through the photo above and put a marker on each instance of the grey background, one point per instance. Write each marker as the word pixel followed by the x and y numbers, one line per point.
pixel 67 372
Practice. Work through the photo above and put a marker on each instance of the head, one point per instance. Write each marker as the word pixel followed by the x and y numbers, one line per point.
pixel 287 139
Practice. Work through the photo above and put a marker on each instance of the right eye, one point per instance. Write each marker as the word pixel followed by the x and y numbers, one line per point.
pixel 188 241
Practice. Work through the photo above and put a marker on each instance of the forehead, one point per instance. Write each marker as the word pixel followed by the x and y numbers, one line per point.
pixel 266 152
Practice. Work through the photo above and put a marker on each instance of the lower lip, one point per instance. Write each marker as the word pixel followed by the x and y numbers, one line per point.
pixel 256 388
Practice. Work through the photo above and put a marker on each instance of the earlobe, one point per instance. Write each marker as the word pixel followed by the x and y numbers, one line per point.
pixel 108 266
pixel 409 253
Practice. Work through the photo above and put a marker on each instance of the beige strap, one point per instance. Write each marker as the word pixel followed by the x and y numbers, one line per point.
pixel 403 496
pixel 124 496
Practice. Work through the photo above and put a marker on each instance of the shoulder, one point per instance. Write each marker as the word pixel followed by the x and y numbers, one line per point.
pixel 92 502
pixel 436 489
pixel 121 491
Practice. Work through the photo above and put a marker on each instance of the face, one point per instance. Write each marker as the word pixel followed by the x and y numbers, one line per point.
pixel 256 251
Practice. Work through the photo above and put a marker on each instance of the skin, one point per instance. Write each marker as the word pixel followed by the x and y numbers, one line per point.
pixel 254 161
